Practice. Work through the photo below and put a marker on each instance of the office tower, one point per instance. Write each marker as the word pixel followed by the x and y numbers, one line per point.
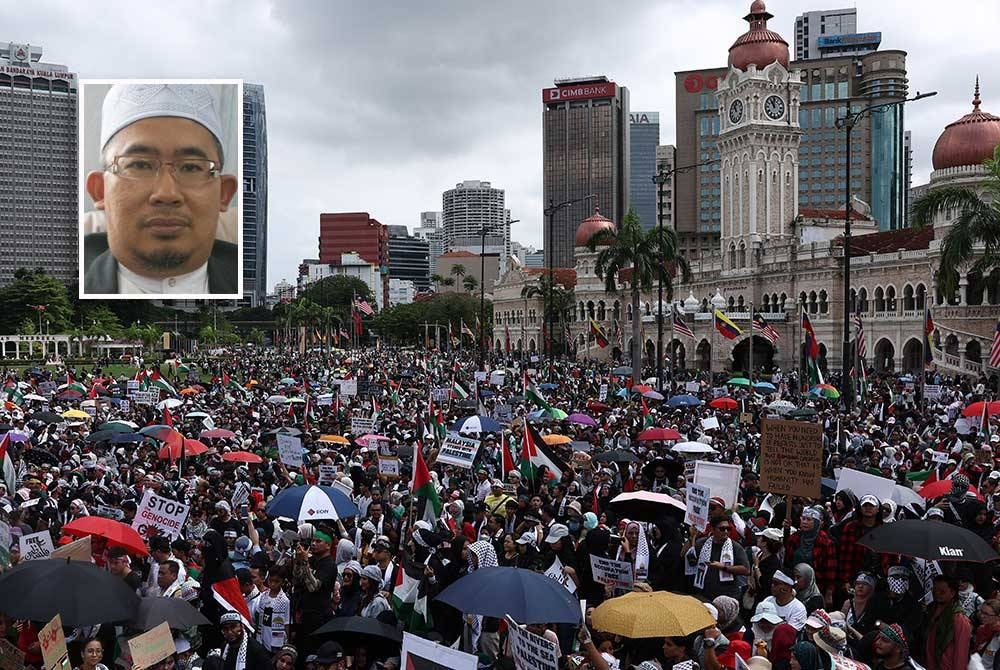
pixel 254 196
pixel 665 162
pixel 430 229
pixel 585 151
pixel 39 219
pixel 644 138
pixel 467 210
pixel 355 232
pixel 409 258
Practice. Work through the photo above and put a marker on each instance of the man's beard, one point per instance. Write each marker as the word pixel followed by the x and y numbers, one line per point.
pixel 164 260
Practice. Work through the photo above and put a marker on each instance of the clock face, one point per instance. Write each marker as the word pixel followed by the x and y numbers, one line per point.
pixel 774 107
pixel 736 111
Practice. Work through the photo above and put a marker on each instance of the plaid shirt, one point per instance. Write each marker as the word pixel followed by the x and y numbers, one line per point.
pixel 854 557
pixel 824 558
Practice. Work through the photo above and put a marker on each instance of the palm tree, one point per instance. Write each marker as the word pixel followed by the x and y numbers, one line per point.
pixel 470 283
pixel 448 281
pixel 557 300
pixel 978 222
pixel 633 248
pixel 458 271
pixel 437 280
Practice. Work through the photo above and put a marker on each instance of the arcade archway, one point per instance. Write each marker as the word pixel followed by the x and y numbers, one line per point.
pixel 763 354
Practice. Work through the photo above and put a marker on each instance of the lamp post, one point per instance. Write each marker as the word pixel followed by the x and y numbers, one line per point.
pixel 482 291
pixel 550 214
pixel 848 122
pixel 660 178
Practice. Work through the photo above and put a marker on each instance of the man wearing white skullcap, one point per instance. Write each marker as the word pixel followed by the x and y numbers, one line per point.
pixel 162 187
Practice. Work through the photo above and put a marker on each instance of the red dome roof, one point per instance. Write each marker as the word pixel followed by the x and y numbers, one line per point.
pixel 591 225
pixel 758 45
pixel 968 141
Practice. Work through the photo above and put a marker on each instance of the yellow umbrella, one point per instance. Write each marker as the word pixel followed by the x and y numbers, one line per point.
pixel 556 439
pixel 75 414
pixel 334 438
pixel 652 614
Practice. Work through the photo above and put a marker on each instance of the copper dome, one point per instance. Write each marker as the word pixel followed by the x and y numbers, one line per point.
pixel 968 141
pixel 591 226
pixel 758 45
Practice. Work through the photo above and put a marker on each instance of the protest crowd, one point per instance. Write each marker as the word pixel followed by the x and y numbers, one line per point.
pixel 331 509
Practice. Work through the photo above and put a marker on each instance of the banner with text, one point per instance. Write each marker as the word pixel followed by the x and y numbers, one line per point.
pixel 157 515
pixel 791 457
pixel 458 451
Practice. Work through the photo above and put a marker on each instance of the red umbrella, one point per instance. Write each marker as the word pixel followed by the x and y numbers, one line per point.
pixel 162 433
pixel 724 403
pixel 217 432
pixel 659 434
pixel 942 487
pixel 976 408
pixel 242 457
pixel 641 388
pixel 116 533
pixel 172 450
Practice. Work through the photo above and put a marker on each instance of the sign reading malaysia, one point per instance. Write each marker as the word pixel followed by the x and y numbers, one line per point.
pixel 458 451
pixel 600 89
pixel 157 515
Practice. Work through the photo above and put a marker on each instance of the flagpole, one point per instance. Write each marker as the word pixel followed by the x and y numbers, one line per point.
pixel 751 346
pixel 673 356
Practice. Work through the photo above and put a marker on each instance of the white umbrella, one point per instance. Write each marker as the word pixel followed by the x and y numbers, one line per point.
pixel 276 399
pixel 906 497
pixel 170 403
pixel 196 415
pixel 32 396
pixel 781 406
pixel 692 448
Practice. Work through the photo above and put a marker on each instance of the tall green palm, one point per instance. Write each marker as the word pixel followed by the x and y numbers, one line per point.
pixel 437 280
pixel 458 270
pixel 634 248
pixel 557 300
pixel 470 283
pixel 978 221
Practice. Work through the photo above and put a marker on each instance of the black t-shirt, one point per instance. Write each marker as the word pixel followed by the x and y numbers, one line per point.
pixel 319 602
pixel 233 524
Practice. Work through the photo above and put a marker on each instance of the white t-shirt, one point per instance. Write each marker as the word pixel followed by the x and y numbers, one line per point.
pixel 794 613
pixel 270 617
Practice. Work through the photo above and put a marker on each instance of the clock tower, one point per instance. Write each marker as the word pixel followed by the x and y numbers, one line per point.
pixel 758 143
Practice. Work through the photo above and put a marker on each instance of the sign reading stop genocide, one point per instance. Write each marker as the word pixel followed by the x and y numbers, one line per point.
pixel 157 515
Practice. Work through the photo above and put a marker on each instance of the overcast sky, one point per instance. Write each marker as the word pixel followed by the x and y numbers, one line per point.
pixel 380 106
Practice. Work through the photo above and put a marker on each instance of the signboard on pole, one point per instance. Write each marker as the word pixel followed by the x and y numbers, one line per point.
pixel 530 651
pixel 53 643
pixel 157 515
pixel 616 574
pixel 791 457
pixel 692 387
pixel 388 466
pixel 697 506
pixel 440 394
pixel 458 451
pixel 35 546
pixel 289 450
pixel 722 479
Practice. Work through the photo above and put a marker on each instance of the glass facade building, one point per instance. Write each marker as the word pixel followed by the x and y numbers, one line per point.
pixel 644 137
pixel 254 196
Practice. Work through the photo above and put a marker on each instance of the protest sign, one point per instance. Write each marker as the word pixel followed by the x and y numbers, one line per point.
pixel 11 658
pixel 110 512
pixel 144 397
pixel 53 643
pixel 35 546
pixel 581 460
pixel 346 489
pixel 77 550
pixel 497 378
pixel 90 409
pixel 157 515
pixel 697 506
pixel 480 375
pixel 602 395
pixel 349 387
pixel 426 655
pixel 722 479
pixel 502 413
pixel 932 391
pixel 862 483
pixel 46 387
pixel 440 394
pixel 617 574
pixel 719 391
pixel 555 572
pixel 458 451
pixel 152 646
pixel 289 450
pixel 710 423
pixel 692 387
pixel 940 457
pixel 125 406
pixel 327 475
pixel 362 425
pixel 388 466
pixel 791 457
pixel 746 417
pixel 324 400
pixel 530 651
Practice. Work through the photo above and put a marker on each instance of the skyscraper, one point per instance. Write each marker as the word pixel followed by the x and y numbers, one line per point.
pixel 357 232
pixel 409 258
pixel 254 196
pixel 812 27
pixel 665 160
pixel 469 208
pixel 39 220
pixel 585 151
pixel 644 137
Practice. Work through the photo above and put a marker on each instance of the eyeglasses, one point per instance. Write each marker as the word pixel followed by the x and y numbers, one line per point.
pixel 722 529
pixel 185 171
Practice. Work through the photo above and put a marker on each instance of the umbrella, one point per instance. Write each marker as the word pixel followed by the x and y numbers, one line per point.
pixel 288 381
pixel 35 397
pixel 766 387
pixel 905 496
pixel 308 503
pixel 162 433
pixel 116 533
pixel 217 433
pixel 652 614
pixel 616 456
pixel 477 424
pixel 119 426
pixel 641 388
pixel 358 631
pixel 622 393
pixel 527 596
pixel 172 450
pixel 659 435
pixel 725 403
pixel 69 395
pixel 169 403
pixel 189 391
pixel 47 417
pixel 242 457
pixel 645 506
pixel 100 436
pixel 177 612
pixel 596 406
pixel 84 594
pixel 366 440
pixel 652 395
pixel 739 381
pixel 781 407
pixel 75 414
pixel 825 391
pixel 622 370
pixel 288 430
pixel 581 419
pixel 556 413
pixel 196 415
pixel 120 438
pixel 692 448
pixel 556 439
pixel 276 399
pixel 548 386
pixel 930 540
pixel 942 487
pixel 683 401
pixel 336 439
pixel 803 413
pixel 976 408
pixel 404 451
pixel 39 456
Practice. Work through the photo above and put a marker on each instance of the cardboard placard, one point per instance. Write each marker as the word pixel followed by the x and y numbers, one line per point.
pixel 53 643
pixel 152 646
pixel 722 479
pixel 289 450
pixel 459 451
pixel 77 550
pixel 362 425
pixel 746 417
pixel 157 515
pixel 426 655
pixel 145 397
pixel 791 457
pixel 324 400
pixel 45 388
pixel 36 546
pixel 581 460
pixel 530 651
pixel 602 395
pixel 697 506
pixel 11 658
pixel 349 387
pixel 388 466
pixel 617 574
pixel 124 406
pixel 555 572
pixel 440 394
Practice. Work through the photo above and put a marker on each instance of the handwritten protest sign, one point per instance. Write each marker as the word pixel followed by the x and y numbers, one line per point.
pixel 327 475
pixel 555 572
pixel 388 466
pixel 157 515
pixel 289 450
pixel 35 546
pixel 697 506
pixel 362 425
pixel 11 658
pixel 722 479
pixel 53 643
pixel 791 457
pixel 152 646
pixel 458 451
pixel 530 651
pixel 77 550
pixel 616 574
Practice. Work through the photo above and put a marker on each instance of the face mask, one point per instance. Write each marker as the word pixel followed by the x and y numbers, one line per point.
pixel 574 526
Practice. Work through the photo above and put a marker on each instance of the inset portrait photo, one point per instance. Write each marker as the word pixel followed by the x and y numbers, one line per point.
pixel 160 201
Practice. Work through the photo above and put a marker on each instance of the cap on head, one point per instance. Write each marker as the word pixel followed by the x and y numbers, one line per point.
pixel 127 103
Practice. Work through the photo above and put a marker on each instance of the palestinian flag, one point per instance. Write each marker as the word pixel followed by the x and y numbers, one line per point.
pixel 231 384
pixel 435 419
pixel 506 460
pixel 813 374
pixel 535 453
pixel 423 487
pixel 158 382
pixel 647 418
pixel 167 419
pixel 226 592
pixel 532 394
pixel 459 390
pixel 7 469
pixel 599 335
pixel 409 597
pixel 14 395
pixel 928 332
pixel 72 385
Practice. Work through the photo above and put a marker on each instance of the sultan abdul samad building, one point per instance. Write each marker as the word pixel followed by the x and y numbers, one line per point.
pixel 784 259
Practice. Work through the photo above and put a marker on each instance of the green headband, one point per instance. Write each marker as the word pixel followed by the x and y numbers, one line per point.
pixel 323 536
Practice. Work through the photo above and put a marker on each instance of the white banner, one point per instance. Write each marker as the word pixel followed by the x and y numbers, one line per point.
pixel 324 400
pixel 480 375
pixel 697 506
pixel 602 395
pixel 932 391
pixel 289 450
pixel 36 546
pixel 555 572
pixel 940 457
pixel 349 387
pixel 458 451
pixel 145 397
pixel 722 479
pixel 692 387
pixel 617 574
pixel 362 425
pixel 497 379
pixel 424 654
pixel 388 466
pixel 440 394
pixel 530 651
pixel 157 515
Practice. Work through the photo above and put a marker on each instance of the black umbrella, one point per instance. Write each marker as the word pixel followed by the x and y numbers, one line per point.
pixel 358 631
pixel 616 456
pixel 404 451
pixel 84 594
pixel 100 436
pixel 47 417
pixel 930 540
pixel 38 456
pixel 177 612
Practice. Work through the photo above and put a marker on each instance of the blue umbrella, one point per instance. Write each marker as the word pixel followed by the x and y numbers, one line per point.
pixel 128 437
pixel 476 424
pixel 527 596
pixel 310 503
pixel 547 386
pixel 622 393
pixel 767 387
pixel 683 401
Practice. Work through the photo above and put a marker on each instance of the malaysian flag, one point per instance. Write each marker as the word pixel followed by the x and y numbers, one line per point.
pixel 861 345
pixel 680 326
pixel 364 307
pixel 764 328
pixel 995 351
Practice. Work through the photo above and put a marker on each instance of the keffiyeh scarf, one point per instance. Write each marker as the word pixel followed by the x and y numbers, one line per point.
pixel 241 653
pixel 705 557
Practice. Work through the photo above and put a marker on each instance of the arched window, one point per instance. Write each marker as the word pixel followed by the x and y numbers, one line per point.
pixel 742 255
pixel 732 255
pixel 767 303
pixel 921 299
pixel 590 309
pixel 823 307
pixel 909 301
pixel 890 298
pixel 731 303
pixel 813 307
pixel 781 305
pixel 863 300
pixel 628 311
pixel 601 315
pixel 616 311
pixel 739 304
pixel 879 299
pixel 647 310
pixel 803 300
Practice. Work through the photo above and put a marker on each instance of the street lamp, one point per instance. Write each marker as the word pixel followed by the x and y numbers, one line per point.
pixel 660 178
pixel 848 122
pixel 482 291
pixel 550 213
